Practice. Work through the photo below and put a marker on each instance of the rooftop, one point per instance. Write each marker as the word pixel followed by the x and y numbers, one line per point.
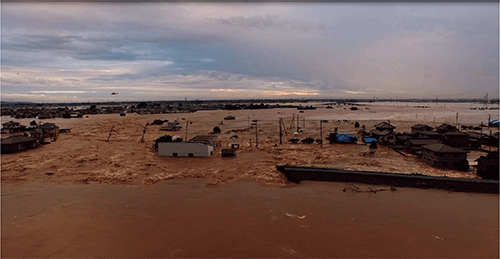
pixel 384 125
pixel 17 140
pixel 424 141
pixel 442 148
pixel 205 139
pixel 421 126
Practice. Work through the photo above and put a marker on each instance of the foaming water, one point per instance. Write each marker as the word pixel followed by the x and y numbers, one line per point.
pixel 183 218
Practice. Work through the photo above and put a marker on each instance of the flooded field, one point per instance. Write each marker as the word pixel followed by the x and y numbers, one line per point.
pixel 184 218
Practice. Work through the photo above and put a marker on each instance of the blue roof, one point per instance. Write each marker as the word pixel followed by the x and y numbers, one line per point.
pixel 370 140
pixel 344 137
pixel 494 123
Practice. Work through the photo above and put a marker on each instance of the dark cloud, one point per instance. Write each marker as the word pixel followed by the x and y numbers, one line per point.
pixel 270 21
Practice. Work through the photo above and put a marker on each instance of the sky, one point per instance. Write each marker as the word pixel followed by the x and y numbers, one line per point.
pixel 79 52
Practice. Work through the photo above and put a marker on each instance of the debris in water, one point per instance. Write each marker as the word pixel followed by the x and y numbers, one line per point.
pixel 436 237
pixel 294 216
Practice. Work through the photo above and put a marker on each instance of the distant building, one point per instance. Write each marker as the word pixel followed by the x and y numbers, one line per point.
pixel 229 117
pixel 420 127
pixel 443 156
pixel 487 166
pixel 18 143
pixel 199 146
pixel 445 128
pixel 171 126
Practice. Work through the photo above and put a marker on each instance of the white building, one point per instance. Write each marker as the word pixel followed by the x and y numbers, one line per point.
pixel 199 146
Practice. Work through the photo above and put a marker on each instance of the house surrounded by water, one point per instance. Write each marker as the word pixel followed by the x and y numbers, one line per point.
pixel 199 146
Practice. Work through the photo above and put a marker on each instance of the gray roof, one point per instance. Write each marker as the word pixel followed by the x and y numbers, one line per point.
pixel 205 139
pixel 442 148
pixel 421 126
pixel 445 126
pixel 422 141
pixel 17 140
pixel 384 125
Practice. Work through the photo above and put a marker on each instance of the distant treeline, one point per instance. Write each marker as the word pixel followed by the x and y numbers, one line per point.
pixel 255 101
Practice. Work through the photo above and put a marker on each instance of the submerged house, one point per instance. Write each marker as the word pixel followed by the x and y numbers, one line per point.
pixel 199 146
pixel 18 143
pixel 47 130
pixel 441 155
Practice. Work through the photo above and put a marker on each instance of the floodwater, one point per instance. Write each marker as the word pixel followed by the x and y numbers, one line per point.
pixel 183 218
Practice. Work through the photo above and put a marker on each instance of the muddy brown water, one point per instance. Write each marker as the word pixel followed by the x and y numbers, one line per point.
pixel 184 218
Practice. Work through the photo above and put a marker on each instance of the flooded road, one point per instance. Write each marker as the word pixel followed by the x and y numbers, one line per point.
pixel 184 218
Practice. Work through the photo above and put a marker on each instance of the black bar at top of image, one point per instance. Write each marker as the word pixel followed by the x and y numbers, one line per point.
pixel 255 1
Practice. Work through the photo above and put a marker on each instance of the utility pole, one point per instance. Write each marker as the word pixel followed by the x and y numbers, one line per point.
pixel 456 121
pixel 186 131
pixel 281 133
pixel 321 132
pixel 293 119
pixel 110 133
pixel 256 135
pixel 298 121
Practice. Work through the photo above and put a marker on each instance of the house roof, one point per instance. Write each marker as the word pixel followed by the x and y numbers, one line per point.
pixel 422 141
pixel 205 139
pixel 421 126
pixel 445 126
pixel 369 140
pixel 384 125
pixel 381 133
pixel 429 133
pixel 442 148
pixel 17 140
pixel 475 135
pixel 11 123
pixel 455 133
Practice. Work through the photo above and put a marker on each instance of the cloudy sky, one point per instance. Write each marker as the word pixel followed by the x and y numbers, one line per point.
pixel 169 51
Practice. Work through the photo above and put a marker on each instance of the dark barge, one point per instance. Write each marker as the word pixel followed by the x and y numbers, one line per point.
pixel 298 173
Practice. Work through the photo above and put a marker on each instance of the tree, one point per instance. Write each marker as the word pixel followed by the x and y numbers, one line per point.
pixel 356 125
pixel 216 130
